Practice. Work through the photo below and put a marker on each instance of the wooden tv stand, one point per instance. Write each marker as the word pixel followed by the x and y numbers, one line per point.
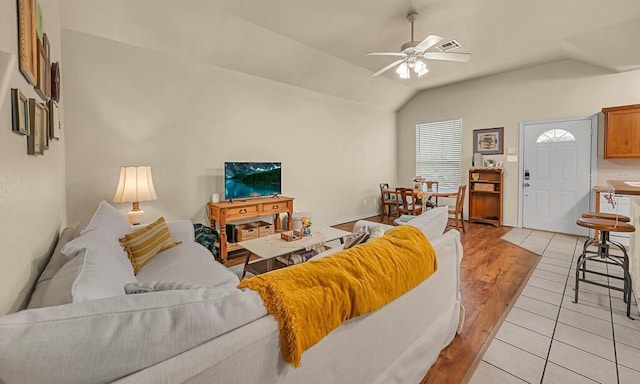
pixel 225 212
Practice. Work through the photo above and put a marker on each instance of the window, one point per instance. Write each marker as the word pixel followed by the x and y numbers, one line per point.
pixel 554 136
pixel 439 152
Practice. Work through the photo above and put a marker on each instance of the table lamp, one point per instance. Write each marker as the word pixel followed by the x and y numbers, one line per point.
pixel 135 185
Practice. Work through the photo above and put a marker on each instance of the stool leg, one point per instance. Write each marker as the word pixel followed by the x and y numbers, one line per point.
pixel 581 260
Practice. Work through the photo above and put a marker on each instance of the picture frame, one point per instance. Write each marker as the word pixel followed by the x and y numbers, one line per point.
pixel 45 122
pixel 54 120
pixel 55 81
pixel 19 112
pixel 488 141
pixel 42 76
pixel 35 141
pixel 27 41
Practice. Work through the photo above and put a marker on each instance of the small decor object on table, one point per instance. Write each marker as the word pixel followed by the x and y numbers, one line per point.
pixel 291 236
pixel 306 225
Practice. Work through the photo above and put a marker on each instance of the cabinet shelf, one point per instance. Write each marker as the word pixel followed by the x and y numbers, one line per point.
pixel 486 206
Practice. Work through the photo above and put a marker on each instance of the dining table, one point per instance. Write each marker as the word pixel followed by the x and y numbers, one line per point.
pixel 423 196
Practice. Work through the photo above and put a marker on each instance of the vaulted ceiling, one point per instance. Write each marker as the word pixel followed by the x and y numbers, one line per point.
pixel 321 45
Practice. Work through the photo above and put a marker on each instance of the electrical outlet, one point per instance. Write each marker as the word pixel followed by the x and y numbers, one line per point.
pixel 623 175
pixel 364 202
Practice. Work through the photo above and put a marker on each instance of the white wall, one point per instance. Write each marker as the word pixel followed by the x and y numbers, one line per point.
pixel 564 89
pixel 126 105
pixel 32 188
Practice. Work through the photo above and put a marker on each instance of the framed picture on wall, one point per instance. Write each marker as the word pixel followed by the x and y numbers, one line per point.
pixel 27 41
pixel 54 120
pixel 42 75
pixel 35 141
pixel 488 141
pixel 19 112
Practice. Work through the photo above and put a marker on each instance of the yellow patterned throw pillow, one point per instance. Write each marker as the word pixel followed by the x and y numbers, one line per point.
pixel 143 245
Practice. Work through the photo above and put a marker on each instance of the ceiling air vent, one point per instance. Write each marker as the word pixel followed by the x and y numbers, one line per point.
pixel 448 46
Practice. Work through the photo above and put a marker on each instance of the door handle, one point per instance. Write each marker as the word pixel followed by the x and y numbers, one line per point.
pixel 526 185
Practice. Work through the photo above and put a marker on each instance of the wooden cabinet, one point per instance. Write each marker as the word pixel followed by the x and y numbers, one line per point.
pixel 622 131
pixel 485 195
pixel 226 211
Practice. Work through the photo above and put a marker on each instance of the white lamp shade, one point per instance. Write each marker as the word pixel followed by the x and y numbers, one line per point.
pixel 135 185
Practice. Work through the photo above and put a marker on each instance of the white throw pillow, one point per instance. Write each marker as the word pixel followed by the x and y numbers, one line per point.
pixel 106 216
pixel 376 232
pixel 94 273
pixel 432 223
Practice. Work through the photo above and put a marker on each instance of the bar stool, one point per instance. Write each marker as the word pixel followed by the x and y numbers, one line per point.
pixel 602 255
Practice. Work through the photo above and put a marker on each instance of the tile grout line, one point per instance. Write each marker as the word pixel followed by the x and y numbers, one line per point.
pixel 507 372
pixel 555 325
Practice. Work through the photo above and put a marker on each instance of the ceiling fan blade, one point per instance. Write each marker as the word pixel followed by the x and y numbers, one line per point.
pixel 428 42
pixel 464 57
pixel 400 54
pixel 388 67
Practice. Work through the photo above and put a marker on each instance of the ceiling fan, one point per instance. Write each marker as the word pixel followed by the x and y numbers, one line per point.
pixel 413 52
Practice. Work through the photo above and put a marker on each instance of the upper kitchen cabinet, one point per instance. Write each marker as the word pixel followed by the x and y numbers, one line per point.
pixel 622 131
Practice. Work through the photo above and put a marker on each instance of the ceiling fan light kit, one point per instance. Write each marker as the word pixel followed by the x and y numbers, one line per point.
pixel 413 52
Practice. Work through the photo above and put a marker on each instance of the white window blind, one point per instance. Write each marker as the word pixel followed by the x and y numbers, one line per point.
pixel 439 152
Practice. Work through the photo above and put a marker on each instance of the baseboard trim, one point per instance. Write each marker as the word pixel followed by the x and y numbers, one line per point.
pixel 355 218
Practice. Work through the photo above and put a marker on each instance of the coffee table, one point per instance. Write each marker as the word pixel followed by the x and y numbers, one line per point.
pixel 269 247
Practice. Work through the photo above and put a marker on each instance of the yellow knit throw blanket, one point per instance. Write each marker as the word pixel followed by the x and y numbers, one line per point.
pixel 311 299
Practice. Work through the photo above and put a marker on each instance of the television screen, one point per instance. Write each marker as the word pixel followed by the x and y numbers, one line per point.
pixel 244 179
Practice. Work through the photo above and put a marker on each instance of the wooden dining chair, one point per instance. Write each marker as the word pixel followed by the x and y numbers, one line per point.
pixel 432 186
pixel 388 200
pixel 409 203
pixel 458 210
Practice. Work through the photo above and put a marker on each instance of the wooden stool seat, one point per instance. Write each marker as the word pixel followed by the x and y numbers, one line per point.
pixel 605 225
pixel 606 216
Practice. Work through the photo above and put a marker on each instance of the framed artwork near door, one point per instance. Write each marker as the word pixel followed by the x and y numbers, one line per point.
pixel 488 141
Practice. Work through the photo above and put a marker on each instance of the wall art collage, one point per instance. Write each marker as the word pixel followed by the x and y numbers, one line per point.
pixel 38 119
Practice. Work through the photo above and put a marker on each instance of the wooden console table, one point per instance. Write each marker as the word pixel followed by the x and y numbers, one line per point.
pixel 225 212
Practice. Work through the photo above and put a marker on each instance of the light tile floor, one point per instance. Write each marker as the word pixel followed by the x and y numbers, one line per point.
pixel 546 338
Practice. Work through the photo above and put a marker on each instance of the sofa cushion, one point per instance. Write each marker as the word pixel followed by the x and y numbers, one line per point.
pixel 144 244
pixel 103 340
pixel 157 286
pixel 92 274
pixel 57 260
pixel 432 223
pixel 187 262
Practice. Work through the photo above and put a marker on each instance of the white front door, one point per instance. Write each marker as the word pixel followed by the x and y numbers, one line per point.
pixel 556 179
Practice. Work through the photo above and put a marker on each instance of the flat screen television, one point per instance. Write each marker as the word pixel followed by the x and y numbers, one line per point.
pixel 250 179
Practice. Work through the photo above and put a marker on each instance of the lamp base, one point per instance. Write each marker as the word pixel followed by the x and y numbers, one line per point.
pixel 135 216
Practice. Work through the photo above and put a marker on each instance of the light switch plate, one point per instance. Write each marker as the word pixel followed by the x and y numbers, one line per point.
pixel 511 150
pixel 512 159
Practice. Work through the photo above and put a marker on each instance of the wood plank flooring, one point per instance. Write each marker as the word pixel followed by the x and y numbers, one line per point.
pixel 492 274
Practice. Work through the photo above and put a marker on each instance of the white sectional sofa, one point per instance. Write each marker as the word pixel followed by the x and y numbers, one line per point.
pixel 81 326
